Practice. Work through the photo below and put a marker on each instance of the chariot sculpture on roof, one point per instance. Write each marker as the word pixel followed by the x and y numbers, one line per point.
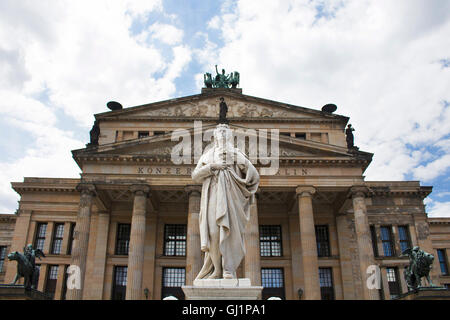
pixel 221 80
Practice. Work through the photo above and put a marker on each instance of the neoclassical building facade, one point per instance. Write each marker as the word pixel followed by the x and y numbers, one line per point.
pixel 130 222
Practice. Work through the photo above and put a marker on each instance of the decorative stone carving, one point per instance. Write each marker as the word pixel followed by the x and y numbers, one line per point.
pixel 209 107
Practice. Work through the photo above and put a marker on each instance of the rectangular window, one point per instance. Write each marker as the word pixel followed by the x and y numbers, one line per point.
pixel 403 235
pixel 373 235
pixel 2 257
pixel 270 241
pixel 326 283
pixel 272 280
pixel 71 235
pixel 175 240
pixel 119 283
pixel 143 134
pixel 58 234
pixel 39 241
pixel 173 279
pixel 64 285
pixel 323 241
pixel 394 282
pixel 386 239
pixel 50 283
pixel 123 238
pixel 300 135
pixel 442 256
pixel 158 133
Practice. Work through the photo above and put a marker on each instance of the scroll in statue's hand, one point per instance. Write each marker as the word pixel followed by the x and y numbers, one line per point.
pixel 218 166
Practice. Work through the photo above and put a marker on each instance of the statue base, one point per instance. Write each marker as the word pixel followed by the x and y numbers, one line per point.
pixel 222 289
pixel 426 293
pixel 19 292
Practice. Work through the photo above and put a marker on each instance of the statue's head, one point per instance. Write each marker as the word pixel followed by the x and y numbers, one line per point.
pixel 223 71
pixel 223 136
pixel 13 255
pixel 29 246
pixel 416 248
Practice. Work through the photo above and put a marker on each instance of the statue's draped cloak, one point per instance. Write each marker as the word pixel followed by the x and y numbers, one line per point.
pixel 226 197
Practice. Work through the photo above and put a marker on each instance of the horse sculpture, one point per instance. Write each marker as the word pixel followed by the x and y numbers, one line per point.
pixel 25 269
pixel 420 266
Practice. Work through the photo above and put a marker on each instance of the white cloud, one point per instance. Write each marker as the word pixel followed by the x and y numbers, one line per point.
pixel 166 33
pixel 377 60
pixel 436 209
pixel 74 56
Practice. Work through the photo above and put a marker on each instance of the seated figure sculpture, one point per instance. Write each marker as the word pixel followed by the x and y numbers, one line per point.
pixel 229 183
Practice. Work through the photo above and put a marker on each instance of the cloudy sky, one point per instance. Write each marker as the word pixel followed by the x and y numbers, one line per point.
pixel 384 63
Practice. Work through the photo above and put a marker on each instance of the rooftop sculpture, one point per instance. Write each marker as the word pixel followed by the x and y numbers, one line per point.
pixel 221 80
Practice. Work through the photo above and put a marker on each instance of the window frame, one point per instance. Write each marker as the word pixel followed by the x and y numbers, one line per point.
pixel 327 290
pixel 172 290
pixel 3 254
pixel 393 286
pixel 389 241
pixel 71 238
pixel 38 237
pixel 278 241
pixel 118 239
pixel 408 237
pixel 273 291
pixel 444 261
pixel 55 238
pixel 373 236
pixel 118 292
pixel 179 244
pixel 325 241
pixel 51 283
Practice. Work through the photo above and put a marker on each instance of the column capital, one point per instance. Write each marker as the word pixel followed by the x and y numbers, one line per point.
pixel 193 189
pixel 140 189
pixel 86 188
pixel 358 191
pixel 305 191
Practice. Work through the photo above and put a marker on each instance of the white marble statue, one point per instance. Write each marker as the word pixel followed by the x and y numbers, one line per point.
pixel 229 182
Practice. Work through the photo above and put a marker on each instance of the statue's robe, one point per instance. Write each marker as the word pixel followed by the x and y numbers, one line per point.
pixel 226 198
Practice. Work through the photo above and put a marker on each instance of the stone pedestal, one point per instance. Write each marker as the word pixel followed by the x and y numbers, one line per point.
pixel 427 293
pixel 18 292
pixel 222 289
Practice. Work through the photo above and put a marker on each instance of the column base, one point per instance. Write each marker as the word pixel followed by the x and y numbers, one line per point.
pixel 222 289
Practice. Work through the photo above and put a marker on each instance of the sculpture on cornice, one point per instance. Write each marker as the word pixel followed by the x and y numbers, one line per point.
pixel 229 184
pixel 420 265
pixel 349 136
pixel 94 134
pixel 221 80
pixel 26 266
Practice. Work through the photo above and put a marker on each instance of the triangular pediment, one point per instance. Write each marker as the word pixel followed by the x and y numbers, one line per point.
pixel 162 146
pixel 207 106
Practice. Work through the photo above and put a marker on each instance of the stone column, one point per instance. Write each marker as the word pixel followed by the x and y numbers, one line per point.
pixel 348 287
pixel 97 278
pixel 252 260
pixel 81 237
pixel 308 243
pixel 137 239
pixel 363 238
pixel 193 251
